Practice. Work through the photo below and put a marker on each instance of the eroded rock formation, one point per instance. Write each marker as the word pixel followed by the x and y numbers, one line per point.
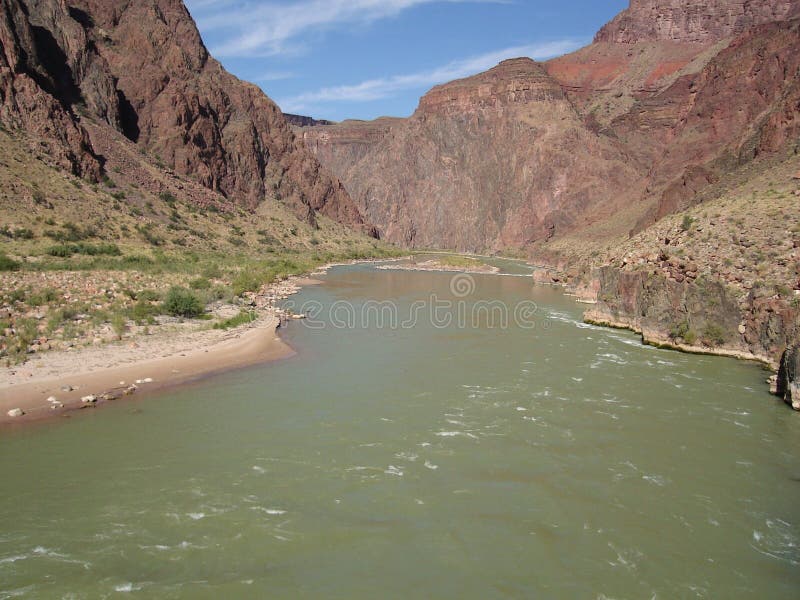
pixel 484 163
pixel 141 69
pixel 693 20
pixel 613 137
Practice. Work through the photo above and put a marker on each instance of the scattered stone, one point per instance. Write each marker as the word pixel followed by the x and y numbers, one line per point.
pixel 16 412
pixel 90 399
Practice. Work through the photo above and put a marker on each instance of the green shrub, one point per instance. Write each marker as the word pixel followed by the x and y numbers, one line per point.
pixel 687 222
pixel 120 324
pixel 679 330
pixel 240 319
pixel 714 335
pixel 247 281
pixel 148 296
pixel 144 312
pixel 45 296
pixel 67 250
pixel 8 264
pixel 683 331
pixel 17 234
pixel 70 232
pixel 40 200
pixel 181 302
pixel 201 283
pixel 211 271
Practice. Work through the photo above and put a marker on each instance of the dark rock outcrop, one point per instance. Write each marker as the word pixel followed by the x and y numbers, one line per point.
pixel 702 315
pixel 789 377
pixel 303 121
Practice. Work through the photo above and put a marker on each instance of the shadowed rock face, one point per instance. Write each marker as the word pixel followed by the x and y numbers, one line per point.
pixel 789 377
pixel 41 79
pixel 700 21
pixel 141 68
pixel 303 121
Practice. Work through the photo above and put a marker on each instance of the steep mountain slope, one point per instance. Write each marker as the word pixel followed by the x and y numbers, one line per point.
pixel 483 164
pixel 141 70
pixel 630 129
pixel 132 163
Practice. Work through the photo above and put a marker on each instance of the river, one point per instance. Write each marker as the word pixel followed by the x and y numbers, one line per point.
pixel 434 437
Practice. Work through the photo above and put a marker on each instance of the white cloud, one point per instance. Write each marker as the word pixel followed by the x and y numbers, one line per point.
pixel 385 87
pixel 261 29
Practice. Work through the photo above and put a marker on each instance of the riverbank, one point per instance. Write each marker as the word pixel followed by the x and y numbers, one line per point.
pixel 62 382
pixel 59 382
pixel 705 318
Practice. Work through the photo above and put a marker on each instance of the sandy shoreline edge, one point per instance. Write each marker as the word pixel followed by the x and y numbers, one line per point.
pixel 60 383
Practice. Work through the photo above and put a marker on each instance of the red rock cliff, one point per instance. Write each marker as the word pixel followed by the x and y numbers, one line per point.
pixel 693 20
pixel 141 68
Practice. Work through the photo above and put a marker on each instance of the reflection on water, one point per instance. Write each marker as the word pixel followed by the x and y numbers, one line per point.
pixel 559 462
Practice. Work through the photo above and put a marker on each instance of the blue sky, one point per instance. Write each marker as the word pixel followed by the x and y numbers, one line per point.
pixel 337 59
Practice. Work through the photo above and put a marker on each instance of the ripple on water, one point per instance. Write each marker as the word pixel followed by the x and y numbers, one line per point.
pixel 779 540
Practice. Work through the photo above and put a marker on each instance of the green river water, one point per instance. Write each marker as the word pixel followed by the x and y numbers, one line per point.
pixel 534 458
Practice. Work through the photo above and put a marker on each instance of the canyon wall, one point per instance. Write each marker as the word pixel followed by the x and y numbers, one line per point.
pixel 606 140
pixel 141 70
pixel 485 163
pixel 693 20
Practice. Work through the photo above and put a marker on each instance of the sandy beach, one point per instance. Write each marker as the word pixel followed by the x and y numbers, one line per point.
pixel 57 383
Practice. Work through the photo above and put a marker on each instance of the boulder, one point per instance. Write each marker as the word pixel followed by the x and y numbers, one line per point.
pixel 16 412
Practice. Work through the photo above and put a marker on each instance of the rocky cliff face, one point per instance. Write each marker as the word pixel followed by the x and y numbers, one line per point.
pixel 304 121
pixel 699 315
pixel 788 385
pixel 40 82
pixel 141 69
pixel 341 146
pixel 483 163
pixel 741 106
pixel 623 132
pixel 700 21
